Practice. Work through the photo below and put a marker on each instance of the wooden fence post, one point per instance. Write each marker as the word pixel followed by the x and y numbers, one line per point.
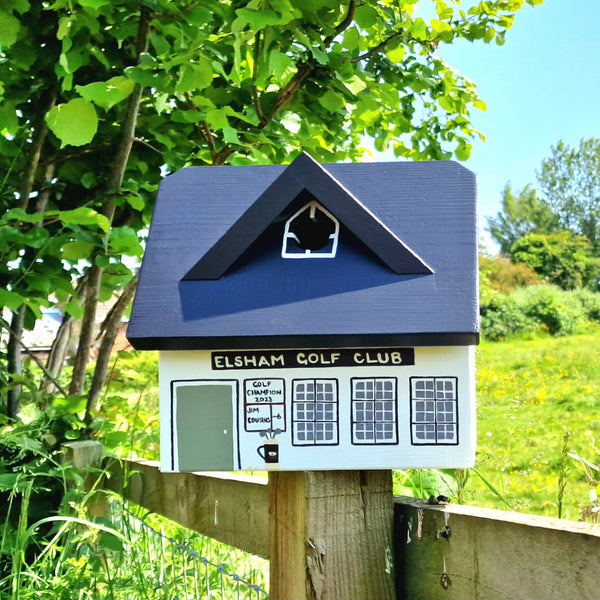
pixel 331 535
pixel 86 455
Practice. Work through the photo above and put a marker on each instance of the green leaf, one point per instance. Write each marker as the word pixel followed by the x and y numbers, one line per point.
pixel 217 118
pixel 70 404
pixel 194 76
pixel 281 64
pixel 94 4
pixel 365 16
pixel 84 216
pixel 443 10
pixel 74 123
pixel 88 180
pixel 9 29
pixel 332 101
pixel 135 201
pixel 160 44
pixel 419 30
pixel 490 34
pixel 124 240
pixel 64 27
pixel 107 93
pixel 10 300
pixel 146 78
pixel 112 439
pixel 74 251
pixel 99 56
pixel 74 309
pixel 36 238
pixel 256 19
pixel 230 135
pixel 443 30
pixel 8 481
pixel 19 214
pixel 480 104
pixel 396 54
pixel 463 151
pixel 354 84
pixel 351 39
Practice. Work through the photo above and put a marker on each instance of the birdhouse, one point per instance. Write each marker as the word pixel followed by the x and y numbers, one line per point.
pixel 313 316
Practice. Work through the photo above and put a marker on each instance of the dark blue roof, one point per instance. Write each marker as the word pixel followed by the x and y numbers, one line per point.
pixel 405 272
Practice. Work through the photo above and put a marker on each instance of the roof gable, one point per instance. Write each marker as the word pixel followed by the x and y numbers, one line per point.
pixel 304 175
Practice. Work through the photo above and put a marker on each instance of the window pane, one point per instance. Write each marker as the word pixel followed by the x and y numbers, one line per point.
pixel 363 411
pixel 364 432
pixel 385 432
pixel 425 433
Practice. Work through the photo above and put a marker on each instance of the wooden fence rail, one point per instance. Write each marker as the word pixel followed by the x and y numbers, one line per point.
pixel 447 552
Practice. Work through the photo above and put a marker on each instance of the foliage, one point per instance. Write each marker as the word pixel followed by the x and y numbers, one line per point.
pixel 99 99
pixel 520 215
pixel 538 309
pixel 562 258
pixel 570 183
pixel 33 484
pixel 58 540
pixel 501 275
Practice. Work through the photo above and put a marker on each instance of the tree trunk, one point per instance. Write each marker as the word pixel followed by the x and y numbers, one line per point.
pixel 114 181
pixel 13 348
pixel 86 335
pixel 58 352
pixel 111 329
pixel 14 364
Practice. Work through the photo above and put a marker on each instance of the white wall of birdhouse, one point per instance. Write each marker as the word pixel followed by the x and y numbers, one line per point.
pixel 316 409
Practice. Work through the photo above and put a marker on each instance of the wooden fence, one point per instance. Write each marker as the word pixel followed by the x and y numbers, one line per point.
pixel 445 551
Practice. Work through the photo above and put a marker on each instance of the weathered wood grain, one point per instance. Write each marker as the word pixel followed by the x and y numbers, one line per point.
pixel 493 554
pixel 332 535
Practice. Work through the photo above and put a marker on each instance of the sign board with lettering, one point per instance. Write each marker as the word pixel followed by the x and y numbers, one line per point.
pixel 313 316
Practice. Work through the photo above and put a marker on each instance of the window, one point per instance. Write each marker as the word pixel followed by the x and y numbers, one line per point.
pixel 434 418
pixel 311 232
pixel 314 412
pixel 374 411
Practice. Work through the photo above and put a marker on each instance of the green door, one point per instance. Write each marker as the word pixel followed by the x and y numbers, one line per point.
pixel 204 426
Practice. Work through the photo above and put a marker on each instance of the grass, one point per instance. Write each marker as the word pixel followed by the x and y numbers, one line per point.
pixel 530 394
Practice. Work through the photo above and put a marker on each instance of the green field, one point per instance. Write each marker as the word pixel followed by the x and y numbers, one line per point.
pixel 529 395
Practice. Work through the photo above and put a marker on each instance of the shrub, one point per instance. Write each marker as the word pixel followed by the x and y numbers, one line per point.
pixel 562 258
pixel 538 308
pixel 552 308
pixel 500 274
pixel 590 303
pixel 502 316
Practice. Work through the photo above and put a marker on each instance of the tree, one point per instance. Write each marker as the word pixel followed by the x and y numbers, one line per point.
pixel 100 98
pixel 563 258
pixel 570 183
pixel 521 214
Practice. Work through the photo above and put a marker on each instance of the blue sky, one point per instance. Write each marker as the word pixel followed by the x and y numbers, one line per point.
pixel 541 86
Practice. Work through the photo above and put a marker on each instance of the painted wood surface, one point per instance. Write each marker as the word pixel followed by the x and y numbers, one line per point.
pixel 301 178
pixel 301 410
pixel 264 300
